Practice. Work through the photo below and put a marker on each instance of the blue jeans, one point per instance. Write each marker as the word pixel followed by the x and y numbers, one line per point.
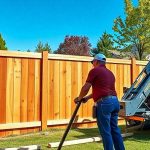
pixel 107 121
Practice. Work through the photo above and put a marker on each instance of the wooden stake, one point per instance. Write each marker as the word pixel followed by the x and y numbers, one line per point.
pixel 30 147
pixel 81 141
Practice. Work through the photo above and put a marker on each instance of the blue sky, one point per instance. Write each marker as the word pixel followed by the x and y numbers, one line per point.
pixel 23 23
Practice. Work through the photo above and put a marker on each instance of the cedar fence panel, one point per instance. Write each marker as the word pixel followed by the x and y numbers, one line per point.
pixel 37 90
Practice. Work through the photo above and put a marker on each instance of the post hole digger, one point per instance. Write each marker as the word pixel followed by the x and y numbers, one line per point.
pixel 70 123
pixel 135 104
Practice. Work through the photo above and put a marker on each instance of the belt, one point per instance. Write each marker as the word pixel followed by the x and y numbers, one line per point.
pixel 105 97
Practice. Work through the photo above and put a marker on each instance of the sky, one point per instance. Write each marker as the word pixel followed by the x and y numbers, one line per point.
pixel 23 23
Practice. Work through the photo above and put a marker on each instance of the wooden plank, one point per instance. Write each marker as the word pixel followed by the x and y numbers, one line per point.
pixel 143 63
pixel 17 54
pixel 3 75
pixel 29 147
pixel 17 91
pixel 84 77
pixel 141 68
pixel 117 77
pixel 37 90
pixel 129 75
pixel 79 71
pixel 75 142
pixel 90 103
pixel 133 70
pixel 24 92
pixel 125 76
pixel 9 92
pixel 85 58
pixel 56 90
pixel 118 61
pixel 69 57
pixel 44 89
pixel 20 125
pixel 113 68
pixel 119 81
pixel 82 141
pixel 62 91
pixel 108 65
pixel 68 89
pixel 31 92
pixel 74 84
pixel 50 89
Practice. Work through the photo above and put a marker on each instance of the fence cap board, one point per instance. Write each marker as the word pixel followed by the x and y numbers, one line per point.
pixel 118 61
pixel 9 53
pixel 86 58
pixel 69 57
pixel 141 62
pixel 19 54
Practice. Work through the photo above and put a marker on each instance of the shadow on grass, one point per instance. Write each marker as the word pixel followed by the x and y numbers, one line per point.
pixel 141 136
pixel 91 132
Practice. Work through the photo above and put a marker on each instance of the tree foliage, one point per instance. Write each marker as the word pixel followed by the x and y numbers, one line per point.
pixel 104 44
pixel 2 43
pixel 134 32
pixel 74 45
pixel 41 47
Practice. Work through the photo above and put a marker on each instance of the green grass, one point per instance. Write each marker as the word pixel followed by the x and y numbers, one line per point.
pixel 139 141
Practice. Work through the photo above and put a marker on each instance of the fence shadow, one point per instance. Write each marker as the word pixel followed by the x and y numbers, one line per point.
pixel 139 135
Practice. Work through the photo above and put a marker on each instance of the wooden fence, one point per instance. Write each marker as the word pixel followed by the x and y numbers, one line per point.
pixel 37 90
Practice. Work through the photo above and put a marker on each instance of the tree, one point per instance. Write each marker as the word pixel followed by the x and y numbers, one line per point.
pixel 28 50
pixel 104 44
pixel 74 45
pixel 134 32
pixel 40 47
pixel 2 43
pixel 94 51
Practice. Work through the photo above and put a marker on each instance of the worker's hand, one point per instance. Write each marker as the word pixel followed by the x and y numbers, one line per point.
pixel 85 99
pixel 76 100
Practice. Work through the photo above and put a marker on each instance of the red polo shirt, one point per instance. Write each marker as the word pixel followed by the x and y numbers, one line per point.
pixel 103 82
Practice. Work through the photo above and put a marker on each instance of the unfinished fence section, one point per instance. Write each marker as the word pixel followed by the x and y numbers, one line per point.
pixel 37 90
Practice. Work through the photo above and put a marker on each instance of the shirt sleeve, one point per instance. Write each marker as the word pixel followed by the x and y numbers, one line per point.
pixel 91 76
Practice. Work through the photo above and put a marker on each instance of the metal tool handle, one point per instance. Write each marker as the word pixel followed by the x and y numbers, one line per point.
pixel 69 125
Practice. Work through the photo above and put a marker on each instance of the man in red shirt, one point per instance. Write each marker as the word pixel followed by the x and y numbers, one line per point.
pixel 104 94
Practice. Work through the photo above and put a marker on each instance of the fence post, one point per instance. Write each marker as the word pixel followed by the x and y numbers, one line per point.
pixel 44 93
pixel 133 70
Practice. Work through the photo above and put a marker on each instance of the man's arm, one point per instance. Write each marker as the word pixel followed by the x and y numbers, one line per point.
pixel 89 96
pixel 84 90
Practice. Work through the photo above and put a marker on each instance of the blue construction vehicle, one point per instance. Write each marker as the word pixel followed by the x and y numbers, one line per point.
pixel 135 103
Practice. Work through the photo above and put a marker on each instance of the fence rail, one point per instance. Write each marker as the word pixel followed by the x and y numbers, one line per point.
pixel 37 90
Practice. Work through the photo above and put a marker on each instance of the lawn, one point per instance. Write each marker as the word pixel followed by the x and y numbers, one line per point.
pixel 139 141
